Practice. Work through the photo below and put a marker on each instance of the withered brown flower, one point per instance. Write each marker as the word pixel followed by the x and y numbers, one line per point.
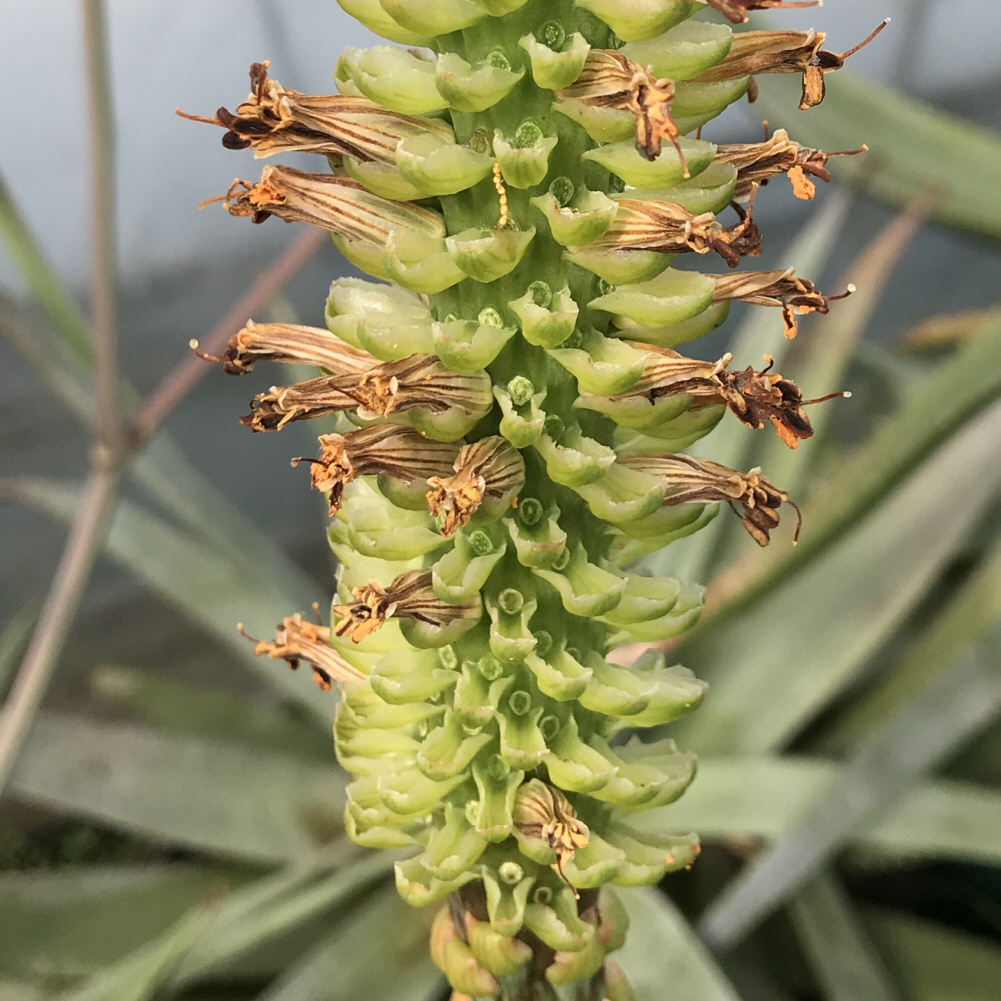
pixel 802 52
pixel 669 228
pixel 382 449
pixel 541 811
pixel 736 10
pixel 757 163
pixel 297 639
pixel 390 388
pixel 753 396
pixel 292 343
pixel 488 469
pixel 409 596
pixel 274 119
pixel 693 480
pixel 331 201
pixel 611 79
pixel 776 288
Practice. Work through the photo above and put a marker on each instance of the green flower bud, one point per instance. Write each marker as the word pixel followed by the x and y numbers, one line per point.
pixel 576 460
pixel 502 955
pixel 555 65
pixel 506 899
pixel 582 224
pixel 462 572
pixel 585 589
pixel 622 158
pixel 454 847
pixel 495 803
pixel 538 538
pixel 619 267
pixel 602 364
pixel 641 19
pixel 373 15
pixel 574 765
pixel 524 163
pixel 684 52
pixel 395 78
pixel 434 167
pixel 569 967
pixel 434 17
pixel 557 922
pixel 521 430
pixel 487 255
pixel 466 89
pixel 546 325
pixel 465 346
pixel 672 297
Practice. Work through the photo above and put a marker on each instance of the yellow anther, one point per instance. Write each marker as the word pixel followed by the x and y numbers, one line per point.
pixel 502 222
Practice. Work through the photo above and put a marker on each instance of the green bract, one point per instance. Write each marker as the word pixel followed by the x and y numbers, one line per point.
pixel 510 409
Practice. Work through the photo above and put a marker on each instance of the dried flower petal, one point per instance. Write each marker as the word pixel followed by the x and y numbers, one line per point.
pixel 785 52
pixel 542 811
pixel 330 201
pixel 292 343
pixel 694 480
pixel 409 596
pixel 757 163
pixel 383 449
pixel 490 467
pixel 753 396
pixel 274 119
pixel 776 288
pixel 297 640
pixel 669 228
pixel 611 79
pixel 419 381
pixel 736 10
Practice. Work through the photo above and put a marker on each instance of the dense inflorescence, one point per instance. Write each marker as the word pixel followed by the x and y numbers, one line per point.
pixel 504 427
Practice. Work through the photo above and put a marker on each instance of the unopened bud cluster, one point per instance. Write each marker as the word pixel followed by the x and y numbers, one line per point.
pixel 502 429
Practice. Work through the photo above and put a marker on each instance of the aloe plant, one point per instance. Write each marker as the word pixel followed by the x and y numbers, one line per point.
pixel 510 414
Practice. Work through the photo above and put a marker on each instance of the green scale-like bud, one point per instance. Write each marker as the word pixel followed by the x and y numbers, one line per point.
pixel 503 437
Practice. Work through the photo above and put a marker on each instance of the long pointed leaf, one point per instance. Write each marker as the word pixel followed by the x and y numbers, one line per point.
pixel 765 797
pixel 914 741
pixel 225 800
pixel 835 941
pixel 662 949
pixel 139 976
pixel 382 952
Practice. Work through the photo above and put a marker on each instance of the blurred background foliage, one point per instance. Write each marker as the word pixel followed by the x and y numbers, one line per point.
pixel 172 826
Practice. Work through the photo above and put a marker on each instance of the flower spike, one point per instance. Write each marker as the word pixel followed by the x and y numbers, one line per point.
pixel 512 432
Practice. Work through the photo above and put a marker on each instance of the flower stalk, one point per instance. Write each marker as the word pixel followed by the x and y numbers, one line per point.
pixel 504 432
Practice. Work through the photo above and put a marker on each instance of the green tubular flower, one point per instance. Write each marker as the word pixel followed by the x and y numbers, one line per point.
pixel 511 415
